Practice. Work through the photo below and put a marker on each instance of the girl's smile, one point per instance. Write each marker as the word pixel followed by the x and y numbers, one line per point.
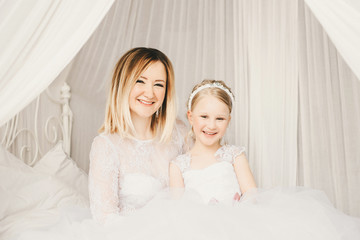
pixel 209 120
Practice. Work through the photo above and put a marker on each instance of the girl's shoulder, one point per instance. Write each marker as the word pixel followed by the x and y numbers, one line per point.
pixel 182 161
pixel 229 153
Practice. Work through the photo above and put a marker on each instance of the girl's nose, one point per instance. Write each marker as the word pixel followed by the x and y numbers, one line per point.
pixel 212 124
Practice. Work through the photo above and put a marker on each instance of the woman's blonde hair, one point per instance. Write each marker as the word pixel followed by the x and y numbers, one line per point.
pixel 218 92
pixel 127 71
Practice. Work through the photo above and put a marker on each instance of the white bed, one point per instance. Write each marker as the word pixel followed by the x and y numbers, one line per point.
pixel 36 183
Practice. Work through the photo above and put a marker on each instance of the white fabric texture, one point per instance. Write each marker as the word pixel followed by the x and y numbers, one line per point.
pixel 28 194
pixel 38 39
pixel 216 182
pixel 340 20
pixel 296 213
pixel 329 116
pixel 126 173
pixel 57 164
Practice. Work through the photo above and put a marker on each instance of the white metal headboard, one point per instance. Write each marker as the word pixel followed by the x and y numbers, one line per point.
pixel 64 122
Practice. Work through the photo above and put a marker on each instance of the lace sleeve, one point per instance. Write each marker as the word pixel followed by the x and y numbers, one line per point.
pixel 229 153
pixel 103 180
pixel 183 162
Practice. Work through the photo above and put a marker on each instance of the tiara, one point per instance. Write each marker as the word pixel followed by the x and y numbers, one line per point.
pixel 210 85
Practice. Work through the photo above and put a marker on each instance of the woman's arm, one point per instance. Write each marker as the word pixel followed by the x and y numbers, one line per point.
pixel 103 180
pixel 243 173
pixel 176 179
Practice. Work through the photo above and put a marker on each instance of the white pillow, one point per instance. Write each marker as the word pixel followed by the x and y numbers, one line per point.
pixel 14 173
pixel 56 163
pixel 22 188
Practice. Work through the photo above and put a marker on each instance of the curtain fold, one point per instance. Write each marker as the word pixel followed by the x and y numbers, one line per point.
pixel 38 39
pixel 248 44
pixel 329 116
pixel 340 19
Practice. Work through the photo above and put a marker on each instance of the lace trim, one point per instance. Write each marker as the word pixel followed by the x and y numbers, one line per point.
pixel 228 153
pixel 183 162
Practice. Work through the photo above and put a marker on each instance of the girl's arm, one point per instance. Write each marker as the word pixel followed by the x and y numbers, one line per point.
pixel 243 173
pixel 175 178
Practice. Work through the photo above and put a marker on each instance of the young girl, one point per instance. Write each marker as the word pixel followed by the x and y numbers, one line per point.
pixel 220 174
pixel 208 163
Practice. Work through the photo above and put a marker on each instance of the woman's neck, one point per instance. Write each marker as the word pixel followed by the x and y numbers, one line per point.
pixel 142 127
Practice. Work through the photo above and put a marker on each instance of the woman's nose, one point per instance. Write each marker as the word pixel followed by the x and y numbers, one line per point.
pixel 149 92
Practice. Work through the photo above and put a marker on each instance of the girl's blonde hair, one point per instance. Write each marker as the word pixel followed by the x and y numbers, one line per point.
pixel 217 92
pixel 127 71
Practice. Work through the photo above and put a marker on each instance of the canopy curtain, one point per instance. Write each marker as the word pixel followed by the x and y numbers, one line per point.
pixel 329 117
pixel 251 45
pixel 254 46
pixel 38 39
pixel 341 21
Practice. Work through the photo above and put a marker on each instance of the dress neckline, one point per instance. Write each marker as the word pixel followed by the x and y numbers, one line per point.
pixel 189 155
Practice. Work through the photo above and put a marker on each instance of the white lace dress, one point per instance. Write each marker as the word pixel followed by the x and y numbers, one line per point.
pixel 126 173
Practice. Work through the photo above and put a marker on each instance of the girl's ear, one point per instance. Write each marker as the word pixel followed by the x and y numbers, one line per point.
pixel 189 116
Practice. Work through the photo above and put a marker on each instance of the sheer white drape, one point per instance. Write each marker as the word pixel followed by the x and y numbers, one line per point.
pixel 341 21
pixel 329 117
pixel 38 39
pixel 230 40
pixel 253 46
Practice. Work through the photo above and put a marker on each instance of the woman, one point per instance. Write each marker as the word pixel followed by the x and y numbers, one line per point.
pixel 129 160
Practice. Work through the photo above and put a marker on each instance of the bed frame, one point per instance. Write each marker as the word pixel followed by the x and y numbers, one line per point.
pixel 31 152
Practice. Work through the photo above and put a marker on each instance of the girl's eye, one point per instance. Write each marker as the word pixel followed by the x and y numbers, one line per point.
pixel 159 85
pixel 139 81
pixel 203 116
pixel 220 119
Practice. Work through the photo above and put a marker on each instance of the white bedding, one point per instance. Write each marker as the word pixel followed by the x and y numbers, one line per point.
pixel 49 201
pixel 30 197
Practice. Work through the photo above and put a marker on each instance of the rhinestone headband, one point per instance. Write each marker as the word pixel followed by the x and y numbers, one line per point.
pixel 210 85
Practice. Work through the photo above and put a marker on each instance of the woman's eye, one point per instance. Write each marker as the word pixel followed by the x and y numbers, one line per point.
pixel 139 81
pixel 203 116
pixel 220 119
pixel 159 85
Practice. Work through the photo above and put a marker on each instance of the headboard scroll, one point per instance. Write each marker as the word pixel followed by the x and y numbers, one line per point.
pixel 30 152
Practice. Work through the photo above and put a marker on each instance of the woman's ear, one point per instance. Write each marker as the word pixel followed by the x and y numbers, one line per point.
pixel 189 116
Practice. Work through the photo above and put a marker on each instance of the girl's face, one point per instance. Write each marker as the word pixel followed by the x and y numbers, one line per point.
pixel 148 93
pixel 209 119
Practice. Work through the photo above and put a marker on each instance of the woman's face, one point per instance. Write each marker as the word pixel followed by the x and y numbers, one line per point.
pixel 148 93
